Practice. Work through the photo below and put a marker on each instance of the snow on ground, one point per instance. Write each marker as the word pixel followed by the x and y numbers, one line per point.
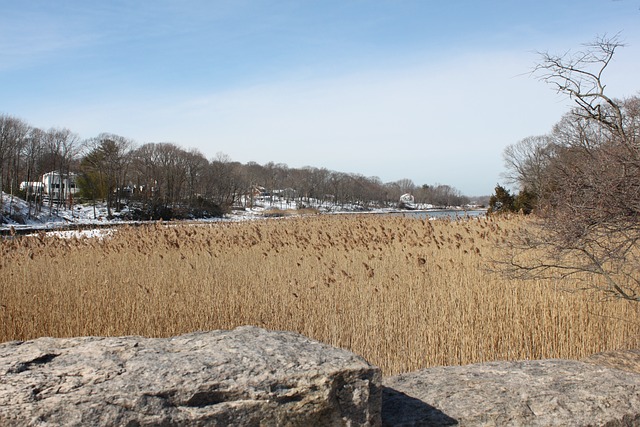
pixel 99 233
pixel 16 214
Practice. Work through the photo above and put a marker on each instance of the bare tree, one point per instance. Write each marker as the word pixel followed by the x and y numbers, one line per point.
pixel 173 172
pixel 579 75
pixel 526 162
pixel 61 148
pixel 143 173
pixel 13 132
pixel 168 179
pixel 441 195
pixel 196 165
pixel 253 176
pixel 319 185
pixel 225 181
pixel 32 153
pixel 106 166
pixel 589 212
pixel 406 185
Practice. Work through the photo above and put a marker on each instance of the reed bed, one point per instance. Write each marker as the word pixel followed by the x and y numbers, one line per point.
pixel 403 293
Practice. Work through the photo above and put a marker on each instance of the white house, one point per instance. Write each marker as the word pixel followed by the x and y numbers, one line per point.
pixel 407 202
pixel 58 186
pixel 32 188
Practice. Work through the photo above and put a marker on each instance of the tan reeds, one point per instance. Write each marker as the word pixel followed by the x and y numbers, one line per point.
pixel 403 293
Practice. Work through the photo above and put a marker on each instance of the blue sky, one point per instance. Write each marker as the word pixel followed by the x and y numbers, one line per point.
pixel 427 90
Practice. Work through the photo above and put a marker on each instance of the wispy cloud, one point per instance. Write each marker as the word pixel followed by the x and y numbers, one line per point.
pixel 404 91
pixel 427 122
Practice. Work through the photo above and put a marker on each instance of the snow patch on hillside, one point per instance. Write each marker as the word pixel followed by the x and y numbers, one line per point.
pixel 17 213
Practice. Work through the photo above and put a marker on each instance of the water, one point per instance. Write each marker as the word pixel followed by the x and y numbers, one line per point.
pixel 442 214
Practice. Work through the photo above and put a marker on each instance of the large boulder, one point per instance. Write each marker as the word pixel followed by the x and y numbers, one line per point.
pixel 532 393
pixel 248 376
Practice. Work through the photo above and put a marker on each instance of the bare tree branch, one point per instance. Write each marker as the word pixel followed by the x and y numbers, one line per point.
pixel 589 185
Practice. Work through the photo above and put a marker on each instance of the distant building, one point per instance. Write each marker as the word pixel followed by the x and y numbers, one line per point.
pixel 32 188
pixel 407 202
pixel 58 186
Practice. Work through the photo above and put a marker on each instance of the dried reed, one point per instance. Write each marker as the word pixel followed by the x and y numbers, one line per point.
pixel 403 293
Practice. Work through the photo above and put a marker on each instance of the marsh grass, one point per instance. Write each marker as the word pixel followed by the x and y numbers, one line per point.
pixel 403 293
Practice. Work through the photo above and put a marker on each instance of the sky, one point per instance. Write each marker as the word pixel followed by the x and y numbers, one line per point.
pixel 432 91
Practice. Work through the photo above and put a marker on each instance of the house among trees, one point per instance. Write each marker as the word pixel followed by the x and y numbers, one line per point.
pixel 54 185
pixel 32 189
pixel 59 186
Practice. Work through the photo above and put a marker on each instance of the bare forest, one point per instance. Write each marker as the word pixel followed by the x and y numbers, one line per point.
pixel 164 180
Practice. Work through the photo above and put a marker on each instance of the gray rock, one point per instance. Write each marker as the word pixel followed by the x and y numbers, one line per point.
pixel 247 377
pixel 529 393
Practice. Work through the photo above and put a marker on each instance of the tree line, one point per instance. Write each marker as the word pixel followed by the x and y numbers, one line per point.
pixel 582 180
pixel 164 180
pixel 581 161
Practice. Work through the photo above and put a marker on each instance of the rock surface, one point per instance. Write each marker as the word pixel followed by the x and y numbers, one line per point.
pixel 250 377
pixel 247 376
pixel 531 393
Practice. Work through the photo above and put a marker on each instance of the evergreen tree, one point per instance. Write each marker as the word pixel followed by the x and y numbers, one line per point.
pixel 501 201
